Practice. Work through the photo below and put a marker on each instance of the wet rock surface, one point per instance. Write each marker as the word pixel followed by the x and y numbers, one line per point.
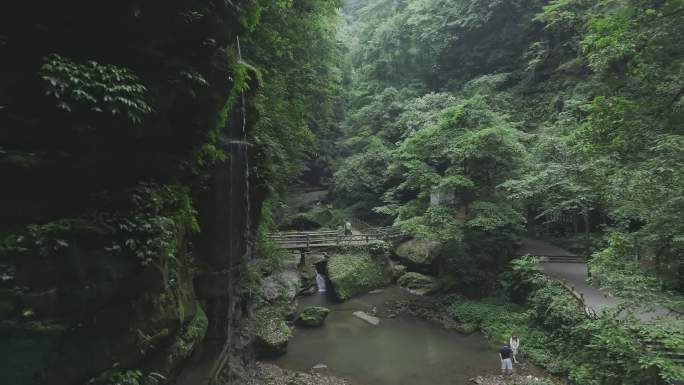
pixel 375 321
pixel 312 316
pixel 515 379
pixel 269 374
pixel 417 283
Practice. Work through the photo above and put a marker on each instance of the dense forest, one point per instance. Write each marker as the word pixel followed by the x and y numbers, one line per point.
pixel 158 157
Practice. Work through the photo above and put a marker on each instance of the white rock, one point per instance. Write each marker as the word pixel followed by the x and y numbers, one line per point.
pixel 368 318
pixel 320 366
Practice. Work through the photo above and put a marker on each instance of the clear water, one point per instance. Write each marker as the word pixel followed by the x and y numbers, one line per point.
pixel 400 351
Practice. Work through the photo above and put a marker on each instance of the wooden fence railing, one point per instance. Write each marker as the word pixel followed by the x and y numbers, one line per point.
pixel 329 238
pixel 588 310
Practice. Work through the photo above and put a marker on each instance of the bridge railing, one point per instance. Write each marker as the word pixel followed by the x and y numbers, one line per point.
pixel 325 238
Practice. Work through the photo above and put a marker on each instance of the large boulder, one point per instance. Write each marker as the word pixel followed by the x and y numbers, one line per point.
pixel 271 334
pixel 417 283
pixel 312 316
pixel 307 279
pixel 283 286
pixel 398 271
pixel 416 252
pixel 354 274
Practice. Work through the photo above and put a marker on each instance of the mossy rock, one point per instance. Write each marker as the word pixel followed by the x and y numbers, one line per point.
pixel 398 271
pixel 191 335
pixel 417 283
pixel 466 328
pixel 271 333
pixel 354 274
pixel 416 252
pixel 312 316
pixel 307 278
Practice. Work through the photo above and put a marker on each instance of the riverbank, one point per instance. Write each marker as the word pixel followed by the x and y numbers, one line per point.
pixel 270 374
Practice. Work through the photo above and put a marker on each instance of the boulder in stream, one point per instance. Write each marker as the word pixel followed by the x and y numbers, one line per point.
pixel 417 283
pixel 354 274
pixel 307 279
pixel 375 321
pixel 271 332
pixel 312 316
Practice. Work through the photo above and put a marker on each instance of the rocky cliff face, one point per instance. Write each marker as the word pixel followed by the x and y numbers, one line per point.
pixel 127 204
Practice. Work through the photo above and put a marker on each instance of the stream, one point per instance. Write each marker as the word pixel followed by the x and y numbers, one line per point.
pixel 400 351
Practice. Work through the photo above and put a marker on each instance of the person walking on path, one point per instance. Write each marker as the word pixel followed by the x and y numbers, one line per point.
pixel 514 343
pixel 347 228
pixel 505 355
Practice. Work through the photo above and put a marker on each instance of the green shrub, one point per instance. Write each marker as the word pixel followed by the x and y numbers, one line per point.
pixel 378 247
pixel 524 275
pixel 94 87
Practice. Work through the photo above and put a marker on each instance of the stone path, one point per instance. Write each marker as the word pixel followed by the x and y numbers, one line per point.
pixel 542 248
pixel 575 275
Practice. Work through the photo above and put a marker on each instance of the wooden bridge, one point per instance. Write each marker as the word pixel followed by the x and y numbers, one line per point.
pixel 308 240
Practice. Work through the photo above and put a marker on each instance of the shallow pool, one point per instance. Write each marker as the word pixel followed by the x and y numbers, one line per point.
pixel 401 351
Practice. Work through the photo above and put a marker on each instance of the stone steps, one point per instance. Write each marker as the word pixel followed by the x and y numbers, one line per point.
pixel 564 259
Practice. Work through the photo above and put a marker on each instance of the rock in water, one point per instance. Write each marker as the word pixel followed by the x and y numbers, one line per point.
pixel 271 334
pixel 312 316
pixel 354 274
pixel 417 283
pixel 375 321
pixel 320 366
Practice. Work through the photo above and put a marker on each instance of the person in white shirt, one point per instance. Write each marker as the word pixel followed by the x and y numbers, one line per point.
pixel 347 228
pixel 514 343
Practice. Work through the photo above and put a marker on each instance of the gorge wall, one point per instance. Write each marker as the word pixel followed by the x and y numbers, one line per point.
pixel 127 205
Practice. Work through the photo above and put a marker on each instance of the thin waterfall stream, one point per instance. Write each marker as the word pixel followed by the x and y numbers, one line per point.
pixel 320 282
pixel 233 141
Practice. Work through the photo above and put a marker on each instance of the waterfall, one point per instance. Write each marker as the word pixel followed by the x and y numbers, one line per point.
pixel 245 147
pixel 234 226
pixel 320 282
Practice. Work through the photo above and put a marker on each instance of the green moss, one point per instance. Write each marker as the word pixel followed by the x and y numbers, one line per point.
pixel 312 316
pixel 418 252
pixel 354 274
pixel 271 332
pixel 418 283
pixel 192 334
pixel 466 328
pixel 398 271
